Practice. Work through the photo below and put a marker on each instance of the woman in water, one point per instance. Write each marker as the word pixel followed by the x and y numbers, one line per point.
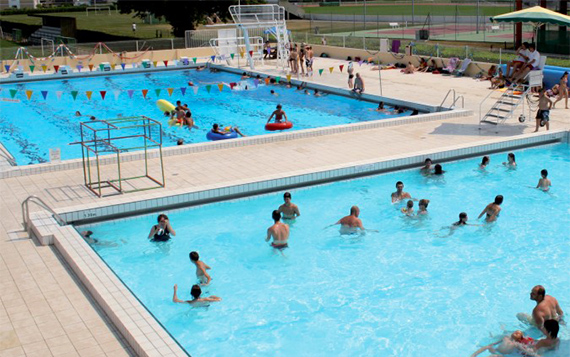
pixel 438 170
pixel 484 162
pixel 511 163
pixel 161 232
pixel 492 209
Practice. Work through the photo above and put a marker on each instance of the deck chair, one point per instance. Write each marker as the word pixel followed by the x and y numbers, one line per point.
pixel 461 71
pixel 451 65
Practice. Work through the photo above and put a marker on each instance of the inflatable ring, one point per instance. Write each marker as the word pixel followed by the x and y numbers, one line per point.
pixel 215 136
pixel 165 106
pixel 278 126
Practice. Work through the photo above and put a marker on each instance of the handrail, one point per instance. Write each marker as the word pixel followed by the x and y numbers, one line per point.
pixel 447 95
pixel 42 204
pixel 462 102
pixel 4 153
pixel 481 105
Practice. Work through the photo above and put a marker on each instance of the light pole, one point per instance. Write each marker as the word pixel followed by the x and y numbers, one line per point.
pixel 412 12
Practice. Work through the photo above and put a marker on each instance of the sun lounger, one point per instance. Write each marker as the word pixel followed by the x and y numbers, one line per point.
pixel 461 71
pixel 451 65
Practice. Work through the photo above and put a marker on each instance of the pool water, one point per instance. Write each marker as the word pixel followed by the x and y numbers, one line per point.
pixel 409 290
pixel 29 128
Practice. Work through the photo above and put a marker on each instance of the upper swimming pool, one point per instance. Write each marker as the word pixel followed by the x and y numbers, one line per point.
pixel 29 128
pixel 409 290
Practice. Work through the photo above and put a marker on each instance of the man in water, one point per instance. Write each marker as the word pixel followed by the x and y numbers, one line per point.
pixel 197 300
pixel 400 194
pixel 201 268
pixel 492 210
pixel 351 223
pixel 279 114
pixel 288 209
pixel 544 182
pixel 278 231
pixel 426 169
pixel 546 308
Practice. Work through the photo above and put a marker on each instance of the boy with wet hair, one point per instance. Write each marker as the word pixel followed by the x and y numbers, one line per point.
pixel 201 268
pixel 196 292
pixel 544 183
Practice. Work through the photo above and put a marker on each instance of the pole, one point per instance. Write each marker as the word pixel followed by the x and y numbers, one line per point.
pixel 477 26
pixel 365 17
pixel 412 12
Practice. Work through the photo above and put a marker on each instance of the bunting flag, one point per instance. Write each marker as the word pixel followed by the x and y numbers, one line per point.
pixel 320 72
pixel 32 67
pixel 103 93
pixel 194 60
pixel 113 66
pixel 157 91
pixel 241 54
pixel 130 93
pixel 7 66
pixel 88 94
pixel 123 65
pixel 277 79
pixel 232 85
pixel 29 93
pixel 13 93
pixel 44 94
pixel 195 89
pixel 256 82
pixel 341 67
pixel 331 69
pixel 144 92
pixel 221 86
pixel 117 93
pixel 183 90
pixel 170 90
pixel 165 63
pixel 56 68
pixel 79 67
pixel 44 68
pixel 250 53
pixel 267 80
pixel 213 58
pixel 74 94
pixel 288 78
pixel 208 87
pixel 154 63
pixel 58 94
pixel 90 67
pixel 232 55
pixel 101 67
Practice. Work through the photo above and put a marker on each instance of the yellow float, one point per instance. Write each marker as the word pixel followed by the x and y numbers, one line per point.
pixel 165 106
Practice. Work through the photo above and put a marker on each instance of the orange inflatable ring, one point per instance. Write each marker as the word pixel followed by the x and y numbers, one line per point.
pixel 278 126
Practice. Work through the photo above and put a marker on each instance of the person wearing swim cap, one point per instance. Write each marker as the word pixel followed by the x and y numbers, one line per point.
pixel 278 113
pixel 278 231
pixel 289 210
pixel 161 232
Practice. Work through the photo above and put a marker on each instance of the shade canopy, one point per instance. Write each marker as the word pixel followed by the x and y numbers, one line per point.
pixel 536 15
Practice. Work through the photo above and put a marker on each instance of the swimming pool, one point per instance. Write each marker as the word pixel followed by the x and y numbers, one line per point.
pixel 406 291
pixel 29 128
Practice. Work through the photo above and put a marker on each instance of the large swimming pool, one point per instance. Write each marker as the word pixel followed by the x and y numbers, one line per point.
pixel 29 128
pixel 409 290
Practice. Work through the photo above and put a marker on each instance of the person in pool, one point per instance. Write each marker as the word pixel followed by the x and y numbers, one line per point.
pixel 547 308
pixel 423 205
pixel 544 182
pixel 161 232
pixel 492 209
pixel 216 130
pixel 289 210
pixel 400 194
pixel 426 169
pixel 278 113
pixel 511 163
pixel 196 292
pixel 438 170
pixel 351 223
pixel 462 220
pixel 201 268
pixel 278 231
pixel 551 341
pixel 485 161
pixel 409 209
pixel 507 345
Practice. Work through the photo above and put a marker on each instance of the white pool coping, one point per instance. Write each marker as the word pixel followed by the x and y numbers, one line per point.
pixel 148 337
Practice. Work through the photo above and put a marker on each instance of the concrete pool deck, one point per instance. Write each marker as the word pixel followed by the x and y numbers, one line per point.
pixel 44 309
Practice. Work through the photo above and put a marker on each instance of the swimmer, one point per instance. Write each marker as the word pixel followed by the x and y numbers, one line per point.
pixel 426 169
pixel 547 308
pixel 190 84
pixel 462 220
pixel 244 75
pixel 201 268
pixel 511 163
pixel 78 114
pixel 279 114
pixel 161 232
pixel 381 108
pixel 484 162
pixel 423 204
pixel 273 93
pixel 216 129
pixel 196 299
pixel 492 209
pixel 544 183
pixel 409 209
pixel 306 92
pixel 551 341
pixel 278 231
pixel 400 194
pixel 317 93
pixel 438 170
pixel 289 210
pixel 200 68
pixel 506 345
pixel 180 142
pixel 87 236
pixel 351 223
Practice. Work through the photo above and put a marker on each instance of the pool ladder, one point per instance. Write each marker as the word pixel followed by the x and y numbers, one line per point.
pixel 38 201
pixel 455 99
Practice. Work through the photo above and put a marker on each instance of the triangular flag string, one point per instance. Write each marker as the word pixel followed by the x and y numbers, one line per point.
pixel 90 67
pixel 44 94
pixel 74 94
pixel 130 93
pixel 29 93
pixel 157 91
pixel 170 90
pixel 331 69
pixel 32 67
pixel 58 94
pixel 144 93
pixel 117 93
pixel 208 87
pixel 103 93
pixel 183 90
pixel 154 63
pixel 194 60
pixel 341 67
pixel 195 89
pixel 13 93
pixel 221 86
pixel 320 72
pixel 165 63
pixel 88 94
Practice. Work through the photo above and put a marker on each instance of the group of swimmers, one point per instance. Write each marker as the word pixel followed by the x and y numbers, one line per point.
pixel 182 114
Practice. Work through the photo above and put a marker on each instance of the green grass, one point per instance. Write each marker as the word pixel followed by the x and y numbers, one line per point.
pixel 6 44
pixel 419 10
pixel 114 24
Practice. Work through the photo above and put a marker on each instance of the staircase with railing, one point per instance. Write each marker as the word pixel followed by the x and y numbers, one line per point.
pixel 505 106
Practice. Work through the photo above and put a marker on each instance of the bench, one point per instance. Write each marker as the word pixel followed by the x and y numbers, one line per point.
pixel 495 28
pixel 394 25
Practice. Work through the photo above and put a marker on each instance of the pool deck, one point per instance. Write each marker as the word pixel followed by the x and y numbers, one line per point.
pixel 44 309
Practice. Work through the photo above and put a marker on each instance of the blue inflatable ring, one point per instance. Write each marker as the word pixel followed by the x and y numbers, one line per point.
pixel 215 136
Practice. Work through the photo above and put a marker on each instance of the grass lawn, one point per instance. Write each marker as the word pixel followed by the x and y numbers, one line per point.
pixel 6 44
pixel 114 24
pixel 419 10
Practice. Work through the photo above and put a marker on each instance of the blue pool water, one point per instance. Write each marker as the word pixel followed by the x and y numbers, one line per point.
pixel 31 127
pixel 405 291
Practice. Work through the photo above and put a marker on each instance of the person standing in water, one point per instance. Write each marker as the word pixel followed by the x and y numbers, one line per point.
pixel 288 209
pixel 201 268
pixel 544 182
pixel 351 223
pixel 492 209
pixel 400 194
pixel 511 162
pixel 278 231
pixel 161 232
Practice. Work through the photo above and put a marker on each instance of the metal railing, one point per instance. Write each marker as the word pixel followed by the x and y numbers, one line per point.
pixel 5 154
pixel 38 201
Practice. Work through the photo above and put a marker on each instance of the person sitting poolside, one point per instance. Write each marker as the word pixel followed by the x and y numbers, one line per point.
pixel 358 84
pixel 544 182
pixel 423 67
pixel 278 231
pixel 410 69
pixel 161 232
pixel 216 130
pixel 289 210
pixel 510 161
pixel 400 194
pixel 492 209
pixel 507 345
pixel 531 64
pixel 498 81
pixel 279 113
pixel 201 268
pixel 196 292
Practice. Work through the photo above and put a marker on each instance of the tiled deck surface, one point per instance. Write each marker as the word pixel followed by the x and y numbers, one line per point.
pixel 45 311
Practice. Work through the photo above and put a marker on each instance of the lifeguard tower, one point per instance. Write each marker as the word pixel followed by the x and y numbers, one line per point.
pixel 268 19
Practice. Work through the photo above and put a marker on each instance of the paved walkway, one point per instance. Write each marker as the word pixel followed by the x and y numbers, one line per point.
pixel 45 311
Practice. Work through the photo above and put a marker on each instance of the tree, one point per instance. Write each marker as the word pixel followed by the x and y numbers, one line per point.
pixel 182 15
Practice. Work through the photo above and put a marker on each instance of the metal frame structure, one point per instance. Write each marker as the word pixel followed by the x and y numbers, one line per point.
pixel 99 137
